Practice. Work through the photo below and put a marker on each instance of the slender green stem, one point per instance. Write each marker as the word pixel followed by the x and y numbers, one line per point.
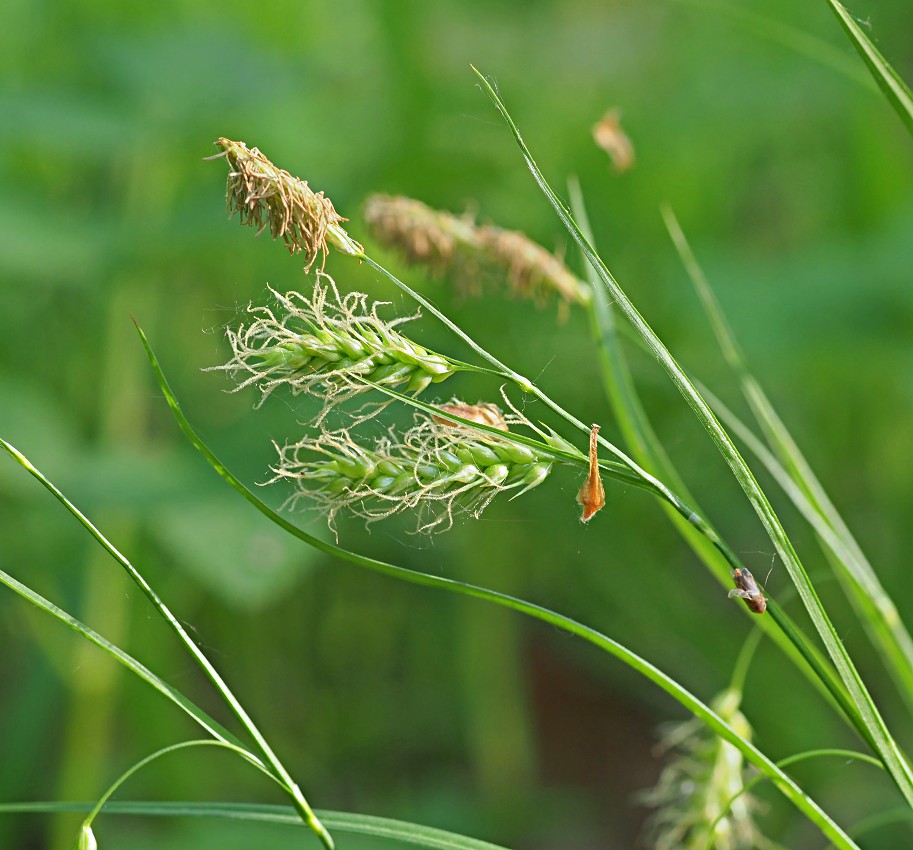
pixel 887 747
pixel 158 753
pixel 877 611
pixel 381 829
pixel 744 659
pixel 195 712
pixel 899 814
pixel 786 785
pixel 782 763
pixel 648 482
pixel 894 88
pixel 298 799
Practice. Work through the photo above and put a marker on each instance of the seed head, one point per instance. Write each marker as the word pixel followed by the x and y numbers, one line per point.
pixel 532 271
pixel 471 255
pixel 266 196
pixel 437 240
pixel 433 469
pixel 328 345
pixel 693 789
pixel 607 133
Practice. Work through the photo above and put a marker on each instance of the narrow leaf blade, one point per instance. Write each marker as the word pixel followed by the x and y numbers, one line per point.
pixel 894 88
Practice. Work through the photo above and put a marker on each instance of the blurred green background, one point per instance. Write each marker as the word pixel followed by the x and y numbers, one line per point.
pixel 789 173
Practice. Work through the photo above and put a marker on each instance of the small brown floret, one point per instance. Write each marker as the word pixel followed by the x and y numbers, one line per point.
pixel 592 493
pixel 613 140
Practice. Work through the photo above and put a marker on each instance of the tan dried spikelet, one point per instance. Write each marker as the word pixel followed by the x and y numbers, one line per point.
pixel 485 413
pixel 266 196
pixel 533 272
pixel 423 236
pixel 592 494
pixel 470 254
pixel 613 140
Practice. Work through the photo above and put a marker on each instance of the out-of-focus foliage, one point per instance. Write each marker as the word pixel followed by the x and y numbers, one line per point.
pixel 794 182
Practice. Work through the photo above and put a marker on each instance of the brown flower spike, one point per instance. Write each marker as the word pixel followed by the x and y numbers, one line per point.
pixel 266 196
pixel 432 238
pixel 592 493
pixel 612 139
pixel 474 256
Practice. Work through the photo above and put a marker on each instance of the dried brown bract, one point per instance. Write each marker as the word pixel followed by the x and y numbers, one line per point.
pixel 613 140
pixel 592 493
pixel 485 414
pixel 266 196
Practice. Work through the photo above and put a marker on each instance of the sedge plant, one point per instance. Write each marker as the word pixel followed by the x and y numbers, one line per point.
pixel 357 360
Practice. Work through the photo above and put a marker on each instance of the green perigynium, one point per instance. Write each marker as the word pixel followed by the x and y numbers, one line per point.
pixel 693 789
pixel 434 469
pixel 327 345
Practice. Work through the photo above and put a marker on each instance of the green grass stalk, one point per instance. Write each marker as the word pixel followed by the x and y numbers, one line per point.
pixel 212 674
pixel 876 609
pixel 887 747
pixel 783 782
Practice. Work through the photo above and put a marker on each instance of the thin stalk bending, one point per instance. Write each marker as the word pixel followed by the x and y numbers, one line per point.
pixel 894 759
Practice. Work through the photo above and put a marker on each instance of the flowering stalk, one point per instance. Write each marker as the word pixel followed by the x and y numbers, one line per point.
pixel 435 239
pixel 266 196
pixel 641 476
pixel 445 243
pixel 328 345
pixel 434 468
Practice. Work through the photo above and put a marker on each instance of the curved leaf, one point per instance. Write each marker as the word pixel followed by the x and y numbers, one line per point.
pixel 886 746
pixel 894 88
pixel 347 822
pixel 785 784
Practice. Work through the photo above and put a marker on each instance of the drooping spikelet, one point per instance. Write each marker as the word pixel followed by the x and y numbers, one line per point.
pixel 473 256
pixel 266 196
pixel 327 345
pixel 434 469
pixel 696 786
pixel 607 133
pixel 441 242
pixel 532 271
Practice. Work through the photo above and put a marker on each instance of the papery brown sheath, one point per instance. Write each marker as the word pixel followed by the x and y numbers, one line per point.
pixel 592 493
